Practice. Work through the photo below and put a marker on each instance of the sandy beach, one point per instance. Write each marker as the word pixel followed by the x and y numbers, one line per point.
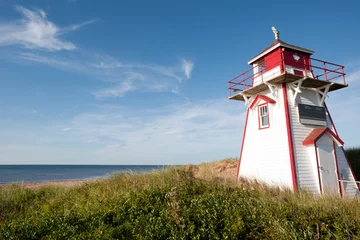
pixel 65 183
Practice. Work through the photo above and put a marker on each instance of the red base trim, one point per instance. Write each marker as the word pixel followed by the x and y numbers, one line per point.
pixel 242 144
pixel 290 141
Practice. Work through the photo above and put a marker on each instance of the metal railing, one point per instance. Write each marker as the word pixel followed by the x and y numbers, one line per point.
pixel 319 69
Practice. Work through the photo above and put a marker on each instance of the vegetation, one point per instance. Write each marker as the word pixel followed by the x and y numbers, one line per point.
pixel 353 155
pixel 190 202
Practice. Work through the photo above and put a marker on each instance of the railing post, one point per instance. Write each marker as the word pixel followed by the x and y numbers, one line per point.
pixel 343 73
pixel 326 78
pixel 282 61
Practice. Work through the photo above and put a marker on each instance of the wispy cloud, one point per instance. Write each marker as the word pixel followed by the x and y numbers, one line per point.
pixel 117 134
pixel 163 133
pixel 118 91
pixel 35 31
pixel 76 26
pixel 187 67
pixel 353 77
pixel 120 77
pixel 142 77
pixel 42 59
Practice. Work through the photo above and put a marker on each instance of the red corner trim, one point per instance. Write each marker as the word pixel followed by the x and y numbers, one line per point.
pixel 265 98
pixel 332 123
pixel 317 133
pixel 242 144
pixel 318 168
pixel 337 169
pixel 290 142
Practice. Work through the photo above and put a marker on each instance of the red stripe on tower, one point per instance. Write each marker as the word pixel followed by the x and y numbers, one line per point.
pixel 242 144
pixel 290 141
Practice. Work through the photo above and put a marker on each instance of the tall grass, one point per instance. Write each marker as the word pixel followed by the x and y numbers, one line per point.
pixel 353 155
pixel 191 202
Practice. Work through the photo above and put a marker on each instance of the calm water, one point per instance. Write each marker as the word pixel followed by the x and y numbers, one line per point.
pixel 43 173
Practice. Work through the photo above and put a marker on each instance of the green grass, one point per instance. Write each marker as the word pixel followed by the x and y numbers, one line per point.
pixel 174 203
pixel 353 155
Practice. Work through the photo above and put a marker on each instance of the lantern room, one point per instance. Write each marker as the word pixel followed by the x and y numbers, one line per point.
pixel 280 57
pixel 282 62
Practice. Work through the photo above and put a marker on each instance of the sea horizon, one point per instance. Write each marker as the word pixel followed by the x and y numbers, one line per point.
pixel 19 173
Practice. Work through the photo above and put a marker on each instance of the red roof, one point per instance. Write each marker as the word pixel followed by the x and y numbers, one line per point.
pixel 265 98
pixel 317 133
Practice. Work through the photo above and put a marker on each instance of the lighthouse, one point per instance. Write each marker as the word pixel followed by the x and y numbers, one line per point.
pixel 289 138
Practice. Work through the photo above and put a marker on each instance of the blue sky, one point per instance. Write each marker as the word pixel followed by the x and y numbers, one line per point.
pixel 145 82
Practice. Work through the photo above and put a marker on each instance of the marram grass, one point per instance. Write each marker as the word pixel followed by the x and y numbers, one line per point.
pixel 190 202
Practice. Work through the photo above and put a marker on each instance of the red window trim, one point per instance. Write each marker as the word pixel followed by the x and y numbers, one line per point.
pixel 261 97
pixel 259 117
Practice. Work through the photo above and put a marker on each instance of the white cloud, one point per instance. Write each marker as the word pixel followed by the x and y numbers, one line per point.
pixel 141 77
pixel 353 77
pixel 173 133
pixel 118 91
pixel 170 134
pixel 35 31
pixel 76 26
pixel 42 59
pixel 125 77
pixel 187 67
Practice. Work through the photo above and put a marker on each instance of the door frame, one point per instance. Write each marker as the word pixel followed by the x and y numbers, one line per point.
pixel 335 165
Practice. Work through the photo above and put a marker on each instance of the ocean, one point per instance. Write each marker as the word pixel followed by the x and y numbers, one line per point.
pixel 45 173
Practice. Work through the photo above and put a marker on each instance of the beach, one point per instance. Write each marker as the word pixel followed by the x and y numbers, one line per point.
pixel 64 183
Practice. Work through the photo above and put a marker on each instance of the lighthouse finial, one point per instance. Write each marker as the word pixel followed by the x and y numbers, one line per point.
pixel 276 33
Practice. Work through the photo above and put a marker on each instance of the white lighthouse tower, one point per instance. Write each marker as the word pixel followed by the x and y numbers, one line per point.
pixel 289 137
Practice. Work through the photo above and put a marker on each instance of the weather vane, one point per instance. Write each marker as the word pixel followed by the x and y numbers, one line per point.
pixel 276 33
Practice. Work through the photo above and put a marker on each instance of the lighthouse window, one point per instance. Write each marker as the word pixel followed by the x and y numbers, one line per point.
pixel 263 116
pixel 261 66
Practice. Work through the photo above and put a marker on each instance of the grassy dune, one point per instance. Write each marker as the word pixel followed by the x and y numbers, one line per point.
pixel 190 202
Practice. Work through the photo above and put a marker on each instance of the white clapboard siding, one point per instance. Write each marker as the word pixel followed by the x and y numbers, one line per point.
pixel 265 154
pixel 345 171
pixel 304 157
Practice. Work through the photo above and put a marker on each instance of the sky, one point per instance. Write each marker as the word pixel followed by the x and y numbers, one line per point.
pixel 145 82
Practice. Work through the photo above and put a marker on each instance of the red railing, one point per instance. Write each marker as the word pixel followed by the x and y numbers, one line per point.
pixel 246 79
pixel 318 69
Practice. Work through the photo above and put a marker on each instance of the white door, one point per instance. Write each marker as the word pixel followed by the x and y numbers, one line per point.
pixel 327 166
